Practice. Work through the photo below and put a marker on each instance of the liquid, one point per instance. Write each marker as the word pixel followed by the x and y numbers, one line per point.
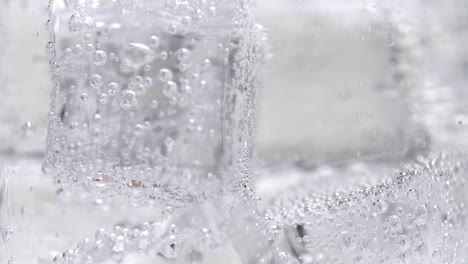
pixel 145 103
pixel 148 101
pixel 356 139
pixel 386 185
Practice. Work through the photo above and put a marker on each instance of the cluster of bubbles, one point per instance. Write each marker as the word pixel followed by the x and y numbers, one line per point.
pixel 175 239
pixel 148 97
pixel 148 241
pixel 416 216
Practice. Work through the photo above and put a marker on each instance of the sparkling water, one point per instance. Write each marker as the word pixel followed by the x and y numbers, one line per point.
pixel 361 139
pixel 148 97
pixel 359 142
pixel 175 84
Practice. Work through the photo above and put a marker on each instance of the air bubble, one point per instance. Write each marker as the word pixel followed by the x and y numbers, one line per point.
pixel 77 50
pixel 284 256
pixel 212 10
pixel 97 117
pixel 148 82
pixel 170 89
pixel 183 55
pixel 100 57
pixel 154 42
pixel 68 53
pixel 113 88
pixel 76 23
pixel 163 56
pixel 394 224
pixel 96 81
pixel 89 48
pixel 172 29
pixel 140 89
pixel 186 20
pixel 165 75
pixel 84 97
pixel 97 182
pixel 103 98
pixel 128 100
pixel 403 242
pixel 119 245
pixel 137 54
pixel 137 131
pixel 381 206
pixel 346 241
pixel 7 234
